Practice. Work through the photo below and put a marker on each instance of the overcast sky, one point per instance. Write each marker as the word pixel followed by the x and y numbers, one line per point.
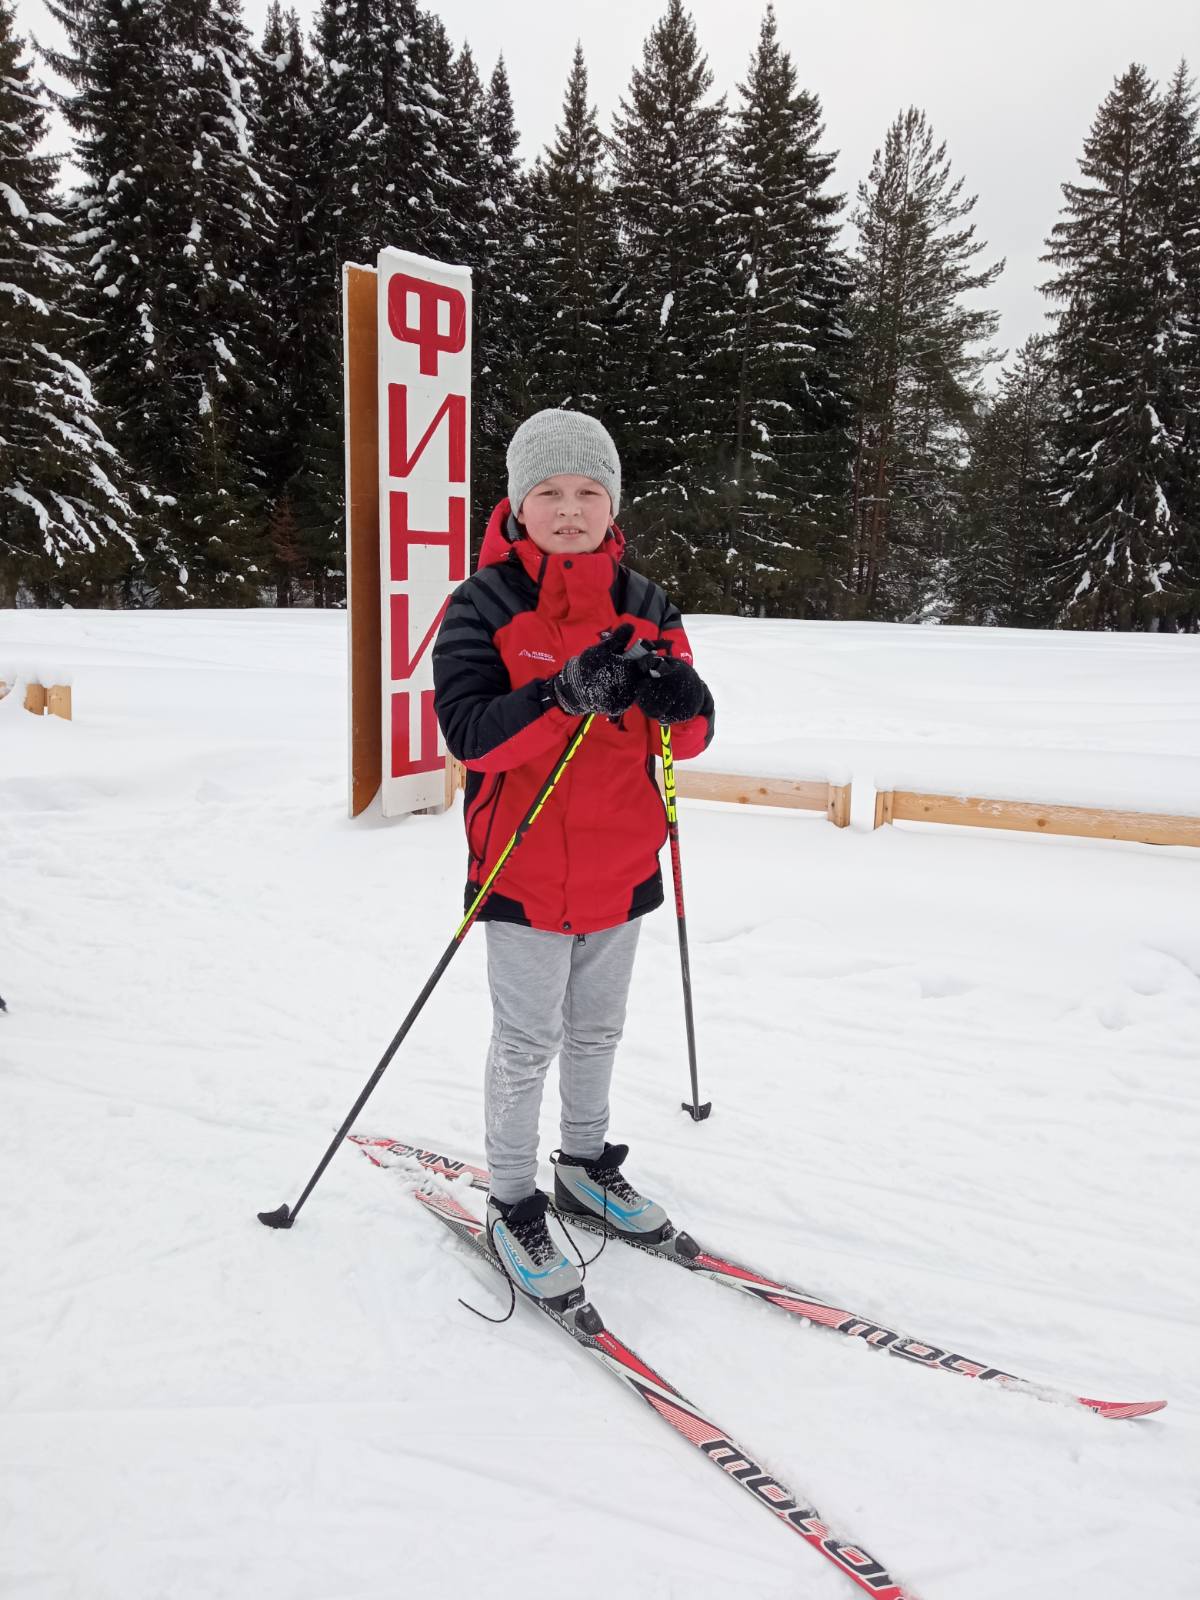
pixel 1011 87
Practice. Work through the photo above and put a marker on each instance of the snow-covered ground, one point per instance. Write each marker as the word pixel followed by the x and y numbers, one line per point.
pixel 955 1087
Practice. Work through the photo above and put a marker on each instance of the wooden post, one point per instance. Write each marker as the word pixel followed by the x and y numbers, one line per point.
pixel 883 807
pixel 361 343
pixel 35 698
pixel 838 809
pixel 58 701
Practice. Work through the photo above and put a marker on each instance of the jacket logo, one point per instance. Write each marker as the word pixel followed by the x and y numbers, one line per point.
pixel 539 655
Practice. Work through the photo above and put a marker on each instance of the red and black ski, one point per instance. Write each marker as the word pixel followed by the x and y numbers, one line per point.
pixel 584 1324
pixel 681 1249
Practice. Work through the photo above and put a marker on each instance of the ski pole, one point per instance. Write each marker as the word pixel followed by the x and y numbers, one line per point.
pixel 695 1110
pixel 284 1217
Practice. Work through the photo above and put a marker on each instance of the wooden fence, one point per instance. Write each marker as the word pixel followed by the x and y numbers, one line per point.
pixel 1028 816
pixel 904 805
pixel 797 794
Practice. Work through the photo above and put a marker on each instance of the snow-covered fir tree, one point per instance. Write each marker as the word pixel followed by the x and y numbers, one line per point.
pixel 1175 191
pixel 117 59
pixel 572 268
pixel 166 222
pixel 666 149
pixel 786 435
pixel 208 325
pixel 1006 553
pixel 1124 251
pixel 500 398
pixel 67 508
pixel 455 227
pixel 298 457
pixel 917 366
pixel 374 115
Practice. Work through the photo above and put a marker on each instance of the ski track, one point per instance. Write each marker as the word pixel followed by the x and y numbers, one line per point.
pixel 953 1078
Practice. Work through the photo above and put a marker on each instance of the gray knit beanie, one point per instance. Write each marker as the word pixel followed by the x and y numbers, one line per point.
pixel 551 442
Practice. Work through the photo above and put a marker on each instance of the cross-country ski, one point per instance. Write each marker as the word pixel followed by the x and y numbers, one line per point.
pixel 681 1249
pixel 584 1324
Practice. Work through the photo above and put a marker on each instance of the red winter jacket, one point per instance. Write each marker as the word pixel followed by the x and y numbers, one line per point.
pixel 590 861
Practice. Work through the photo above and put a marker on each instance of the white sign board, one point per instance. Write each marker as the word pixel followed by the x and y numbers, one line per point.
pixel 424 486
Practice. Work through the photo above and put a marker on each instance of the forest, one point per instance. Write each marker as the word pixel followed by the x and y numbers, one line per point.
pixel 812 416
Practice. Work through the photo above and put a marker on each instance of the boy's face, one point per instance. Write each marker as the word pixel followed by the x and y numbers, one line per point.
pixel 567 513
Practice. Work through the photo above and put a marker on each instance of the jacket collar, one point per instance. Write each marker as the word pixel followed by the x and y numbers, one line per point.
pixel 504 536
pixel 566 583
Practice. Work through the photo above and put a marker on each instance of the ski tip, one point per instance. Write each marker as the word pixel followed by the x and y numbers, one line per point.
pixel 276 1219
pixel 1121 1410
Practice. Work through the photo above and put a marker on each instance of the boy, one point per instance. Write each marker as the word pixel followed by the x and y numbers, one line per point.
pixel 536 640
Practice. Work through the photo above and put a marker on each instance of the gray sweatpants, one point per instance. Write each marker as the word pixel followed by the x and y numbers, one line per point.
pixel 552 994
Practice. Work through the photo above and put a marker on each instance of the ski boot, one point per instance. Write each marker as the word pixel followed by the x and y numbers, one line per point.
pixel 520 1240
pixel 597 1190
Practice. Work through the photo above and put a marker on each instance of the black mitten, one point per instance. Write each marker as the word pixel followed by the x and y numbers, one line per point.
pixel 670 691
pixel 601 679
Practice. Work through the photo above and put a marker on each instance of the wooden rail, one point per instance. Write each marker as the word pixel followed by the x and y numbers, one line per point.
pixel 797 794
pixel 733 788
pixel 1027 816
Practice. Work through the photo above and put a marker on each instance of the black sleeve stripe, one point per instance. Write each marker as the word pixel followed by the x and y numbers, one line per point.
pixel 642 598
pixel 473 655
pixel 454 634
pixel 639 595
pixel 495 616
pixel 492 582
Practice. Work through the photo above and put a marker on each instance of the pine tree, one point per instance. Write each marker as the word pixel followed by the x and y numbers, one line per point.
pixel 1175 193
pixel 298 459
pixel 501 397
pixel 169 214
pixel 572 261
pixel 786 435
pixel 456 226
pixel 212 328
pixel 1008 551
pixel 118 218
pixel 1125 345
pixel 917 367
pixel 666 152
pixel 376 118
pixel 372 153
pixel 67 520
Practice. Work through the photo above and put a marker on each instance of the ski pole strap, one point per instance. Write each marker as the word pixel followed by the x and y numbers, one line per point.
pixel 524 825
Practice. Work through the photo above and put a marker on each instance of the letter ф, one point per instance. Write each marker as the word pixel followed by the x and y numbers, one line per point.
pixel 427 337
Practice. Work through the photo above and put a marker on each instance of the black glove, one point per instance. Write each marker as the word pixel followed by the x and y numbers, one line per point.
pixel 600 679
pixel 670 690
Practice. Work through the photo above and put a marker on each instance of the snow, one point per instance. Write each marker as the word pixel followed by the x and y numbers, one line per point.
pixel 16 205
pixel 1093 719
pixel 954 1086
